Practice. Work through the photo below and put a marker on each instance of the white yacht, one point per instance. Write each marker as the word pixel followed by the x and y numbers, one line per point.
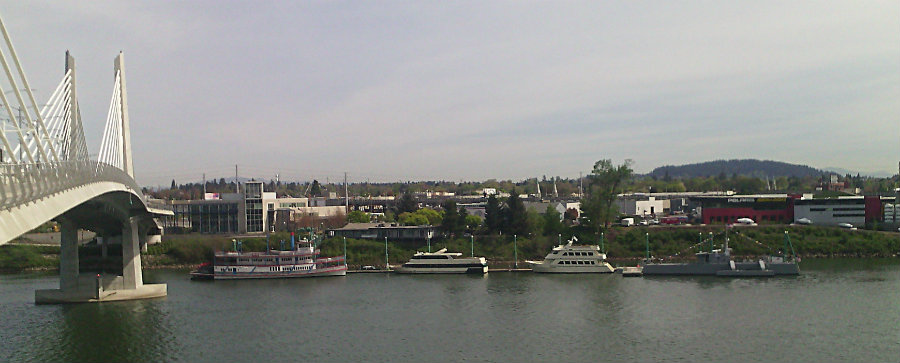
pixel 569 258
pixel 443 262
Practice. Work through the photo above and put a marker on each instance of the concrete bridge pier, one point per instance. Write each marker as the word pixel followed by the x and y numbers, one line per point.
pixel 75 287
pixel 68 255
pixel 131 255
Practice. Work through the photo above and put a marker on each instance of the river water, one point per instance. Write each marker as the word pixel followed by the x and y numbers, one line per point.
pixel 837 310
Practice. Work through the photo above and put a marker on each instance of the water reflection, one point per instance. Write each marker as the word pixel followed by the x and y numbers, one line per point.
pixel 825 314
pixel 115 331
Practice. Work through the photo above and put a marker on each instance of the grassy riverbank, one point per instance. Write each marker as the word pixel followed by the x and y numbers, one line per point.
pixel 620 244
pixel 16 258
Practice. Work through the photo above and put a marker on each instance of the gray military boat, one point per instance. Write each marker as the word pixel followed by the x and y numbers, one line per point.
pixel 718 262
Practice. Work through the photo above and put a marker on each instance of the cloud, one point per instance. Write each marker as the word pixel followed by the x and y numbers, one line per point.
pixel 479 90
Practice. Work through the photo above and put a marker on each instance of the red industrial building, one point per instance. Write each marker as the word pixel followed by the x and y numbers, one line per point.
pixel 786 208
pixel 760 208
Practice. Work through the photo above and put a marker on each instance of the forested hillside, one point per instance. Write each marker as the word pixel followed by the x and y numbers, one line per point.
pixel 742 167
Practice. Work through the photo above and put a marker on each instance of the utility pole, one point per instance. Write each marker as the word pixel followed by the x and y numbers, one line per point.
pixel 204 186
pixel 347 196
pixel 237 189
pixel 580 185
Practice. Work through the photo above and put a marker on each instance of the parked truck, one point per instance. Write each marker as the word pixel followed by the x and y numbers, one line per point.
pixel 627 222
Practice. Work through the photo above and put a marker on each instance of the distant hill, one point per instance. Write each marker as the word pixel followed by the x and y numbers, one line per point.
pixel 875 174
pixel 745 167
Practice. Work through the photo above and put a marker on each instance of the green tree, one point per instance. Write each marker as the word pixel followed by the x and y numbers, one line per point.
pixel 534 222
pixel 434 217
pixel 472 221
pixel 552 223
pixel 463 214
pixel 412 219
pixel 407 204
pixel 452 223
pixel 515 221
pixel 492 217
pixel 748 185
pixel 315 189
pixel 604 183
pixel 358 217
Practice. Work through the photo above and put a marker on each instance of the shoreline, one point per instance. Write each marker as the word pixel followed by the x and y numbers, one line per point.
pixel 498 266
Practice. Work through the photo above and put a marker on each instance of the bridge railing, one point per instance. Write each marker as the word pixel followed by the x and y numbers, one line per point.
pixel 27 183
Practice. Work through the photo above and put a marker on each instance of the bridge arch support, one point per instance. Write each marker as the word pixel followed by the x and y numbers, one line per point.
pixel 113 216
pixel 46 173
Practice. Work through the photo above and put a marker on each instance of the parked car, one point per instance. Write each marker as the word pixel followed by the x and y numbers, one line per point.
pixel 369 267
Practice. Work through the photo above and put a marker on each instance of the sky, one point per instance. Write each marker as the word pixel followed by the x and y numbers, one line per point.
pixel 474 90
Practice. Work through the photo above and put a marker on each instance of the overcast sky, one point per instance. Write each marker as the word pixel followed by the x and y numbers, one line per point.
pixel 438 90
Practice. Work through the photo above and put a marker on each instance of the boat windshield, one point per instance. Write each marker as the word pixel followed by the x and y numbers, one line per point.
pixel 430 257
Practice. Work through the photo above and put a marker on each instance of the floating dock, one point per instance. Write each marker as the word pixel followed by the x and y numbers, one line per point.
pixel 632 271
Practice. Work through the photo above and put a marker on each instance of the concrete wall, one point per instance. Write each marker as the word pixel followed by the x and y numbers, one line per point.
pixel 830 213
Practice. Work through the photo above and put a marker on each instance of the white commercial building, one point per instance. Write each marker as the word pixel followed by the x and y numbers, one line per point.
pixel 641 206
pixel 834 211
pixel 251 211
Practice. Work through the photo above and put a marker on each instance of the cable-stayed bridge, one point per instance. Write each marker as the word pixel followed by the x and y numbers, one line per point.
pixel 46 173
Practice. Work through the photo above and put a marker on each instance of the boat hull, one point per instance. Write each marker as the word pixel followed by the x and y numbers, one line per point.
pixel 541 267
pixel 745 273
pixel 442 270
pixel 331 271
pixel 713 269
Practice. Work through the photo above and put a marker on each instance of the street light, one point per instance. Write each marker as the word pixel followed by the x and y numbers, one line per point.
pixel 647 239
pixel 515 253
pixel 602 247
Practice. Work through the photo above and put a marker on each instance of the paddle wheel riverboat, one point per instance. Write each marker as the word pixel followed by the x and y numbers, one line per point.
pixel 301 261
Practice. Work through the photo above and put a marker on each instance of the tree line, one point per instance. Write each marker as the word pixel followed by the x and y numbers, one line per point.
pixel 564 187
